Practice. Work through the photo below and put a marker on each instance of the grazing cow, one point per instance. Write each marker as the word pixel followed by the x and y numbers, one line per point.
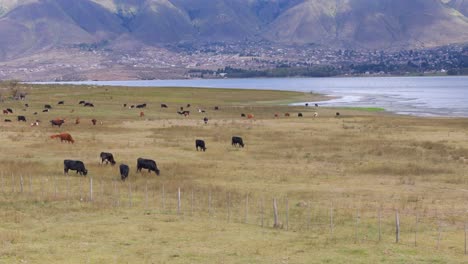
pixel 77 121
pixel 75 165
pixel 61 102
pixel 5 112
pixel 205 119
pixel 47 106
pixel 89 105
pixel 315 114
pixel 307 104
pixel 299 115
pixel 57 122
pixel 35 123
pixel 124 105
pixel 148 164
pixel 22 118
pixel 201 110
pixel 7 120
pixel 337 114
pixel 200 144
pixel 316 105
pixel 141 106
pixel 124 170
pixel 242 115
pixel 82 102
pixel 163 105
pixel 26 105
pixel 287 114
pixel 216 108
pixel 64 137
pixel 276 115
pixel 107 157
pixel 237 141
pixel 142 114
pixel 45 110
pixel 132 106
pixel 250 116
pixel 188 105
pixel 185 113
pixel 93 121
pixel 10 110
pixel 35 113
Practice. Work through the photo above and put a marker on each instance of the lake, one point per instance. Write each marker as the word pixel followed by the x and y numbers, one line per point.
pixel 421 96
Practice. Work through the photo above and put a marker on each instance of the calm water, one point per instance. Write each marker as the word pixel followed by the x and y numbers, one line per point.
pixel 423 96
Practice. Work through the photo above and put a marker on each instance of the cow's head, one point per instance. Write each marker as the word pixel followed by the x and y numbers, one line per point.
pixel 157 172
pixel 85 172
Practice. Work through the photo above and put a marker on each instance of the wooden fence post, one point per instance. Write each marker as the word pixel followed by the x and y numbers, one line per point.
pixel 287 214
pixel 246 208
pixel 276 223
pixel 229 207
pixel 178 201
pixel 397 227
pixel 21 183
pixel 91 189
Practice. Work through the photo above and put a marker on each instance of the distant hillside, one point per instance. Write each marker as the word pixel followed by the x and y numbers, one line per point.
pixel 31 26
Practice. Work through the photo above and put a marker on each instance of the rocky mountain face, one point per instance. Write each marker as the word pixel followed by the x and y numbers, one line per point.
pixel 31 26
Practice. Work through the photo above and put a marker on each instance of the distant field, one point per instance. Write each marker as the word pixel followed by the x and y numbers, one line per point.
pixel 331 177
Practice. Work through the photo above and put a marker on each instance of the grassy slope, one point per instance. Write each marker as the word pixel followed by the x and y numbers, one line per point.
pixel 358 163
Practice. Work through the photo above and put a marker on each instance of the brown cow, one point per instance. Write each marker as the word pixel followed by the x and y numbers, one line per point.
pixel 5 112
pixel 276 115
pixel 142 114
pixel 250 116
pixel 64 137
pixel 287 114
pixel 94 121
pixel 77 121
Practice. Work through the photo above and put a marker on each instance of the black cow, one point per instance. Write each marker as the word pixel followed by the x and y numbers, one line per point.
pixel 237 141
pixel 82 102
pixel 107 157
pixel 22 118
pixel 205 120
pixel 61 102
pixel 27 105
pixel 57 122
pixel 337 114
pixel 141 106
pixel 299 115
pixel 148 164
pixel 188 105
pixel 216 108
pixel 124 105
pixel 35 113
pixel 7 120
pixel 306 104
pixel 47 106
pixel 124 170
pixel 75 165
pixel 242 115
pixel 163 105
pixel 88 105
pixel 316 105
pixel 10 110
pixel 45 110
pixel 200 144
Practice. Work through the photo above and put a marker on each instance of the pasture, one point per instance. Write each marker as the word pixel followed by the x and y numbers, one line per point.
pixel 338 181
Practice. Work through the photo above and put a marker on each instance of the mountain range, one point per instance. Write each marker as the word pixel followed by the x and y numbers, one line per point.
pixel 32 26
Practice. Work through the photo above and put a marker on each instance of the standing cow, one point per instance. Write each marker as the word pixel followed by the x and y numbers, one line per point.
pixel 148 164
pixel 124 170
pixel 107 157
pixel 75 165
pixel 237 141
pixel 200 144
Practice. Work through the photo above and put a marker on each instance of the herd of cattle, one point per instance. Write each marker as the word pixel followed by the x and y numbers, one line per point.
pixel 148 164
pixel 142 163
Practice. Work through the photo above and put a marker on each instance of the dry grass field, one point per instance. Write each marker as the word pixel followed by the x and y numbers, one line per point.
pixel 332 178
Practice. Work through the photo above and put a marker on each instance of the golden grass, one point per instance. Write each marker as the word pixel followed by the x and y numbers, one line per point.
pixel 355 164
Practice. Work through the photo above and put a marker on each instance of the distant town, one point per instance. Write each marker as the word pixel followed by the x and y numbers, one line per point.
pixel 231 60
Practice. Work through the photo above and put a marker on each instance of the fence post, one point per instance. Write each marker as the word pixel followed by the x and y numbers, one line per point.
pixel 163 198
pixel 130 194
pixel 229 207
pixel 287 214
pixel 397 227
pixel 380 223
pixel 21 183
pixel 192 198
pixel 276 223
pixel 178 201
pixel 91 189
pixel 246 208
pixel 416 230
pixel 209 202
